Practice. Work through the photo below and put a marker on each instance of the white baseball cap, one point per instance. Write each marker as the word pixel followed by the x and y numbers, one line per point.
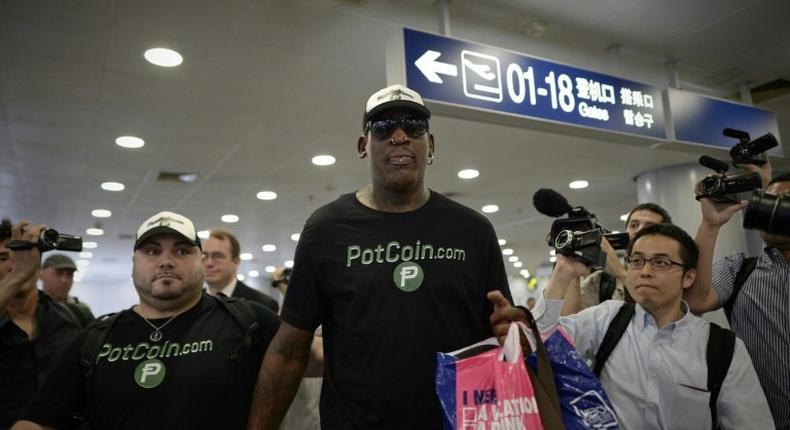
pixel 166 222
pixel 394 96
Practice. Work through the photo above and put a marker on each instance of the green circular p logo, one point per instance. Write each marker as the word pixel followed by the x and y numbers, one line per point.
pixel 408 276
pixel 149 373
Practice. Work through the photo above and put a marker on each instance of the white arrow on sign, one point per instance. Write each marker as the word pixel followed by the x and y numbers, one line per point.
pixel 432 69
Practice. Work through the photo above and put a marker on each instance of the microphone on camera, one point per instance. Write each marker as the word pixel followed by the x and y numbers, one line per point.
pixel 551 203
pixel 713 164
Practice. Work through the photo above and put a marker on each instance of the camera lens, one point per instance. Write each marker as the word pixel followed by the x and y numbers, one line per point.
pixel 564 240
pixel 768 212
pixel 710 185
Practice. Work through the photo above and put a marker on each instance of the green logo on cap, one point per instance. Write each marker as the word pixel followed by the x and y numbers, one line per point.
pixel 149 373
pixel 408 276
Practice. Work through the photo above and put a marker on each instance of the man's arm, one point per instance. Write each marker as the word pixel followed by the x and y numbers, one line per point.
pixel 573 298
pixel 278 380
pixel 28 425
pixel 24 264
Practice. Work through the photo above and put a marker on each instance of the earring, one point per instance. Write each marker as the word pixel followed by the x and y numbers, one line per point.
pixel 430 159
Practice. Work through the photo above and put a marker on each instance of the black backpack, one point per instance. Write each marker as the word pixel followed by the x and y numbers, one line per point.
pixel 747 267
pixel 718 354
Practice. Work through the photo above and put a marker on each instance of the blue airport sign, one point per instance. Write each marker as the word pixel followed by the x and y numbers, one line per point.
pixel 476 76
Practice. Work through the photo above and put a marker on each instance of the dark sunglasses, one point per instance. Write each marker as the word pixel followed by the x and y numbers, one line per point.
pixel 383 128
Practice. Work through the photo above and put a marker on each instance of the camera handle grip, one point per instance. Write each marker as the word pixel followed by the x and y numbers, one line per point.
pixel 21 245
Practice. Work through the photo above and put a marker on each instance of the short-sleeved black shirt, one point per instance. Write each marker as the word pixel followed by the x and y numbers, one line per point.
pixel 392 290
pixel 186 380
pixel 25 363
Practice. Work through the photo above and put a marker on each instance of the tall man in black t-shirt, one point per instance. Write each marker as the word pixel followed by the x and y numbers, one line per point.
pixel 394 273
pixel 178 359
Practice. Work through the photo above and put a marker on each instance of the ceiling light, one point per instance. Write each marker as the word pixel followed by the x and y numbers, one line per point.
pixel 188 178
pixel 468 174
pixel 83 263
pixel 323 160
pixel 518 264
pixel 578 185
pixel 270 269
pixel 552 252
pixel 86 254
pixel 112 186
pixel 95 231
pixel 507 251
pixel 489 209
pixel 269 247
pixel 266 195
pixel 240 277
pixel 89 245
pixel 129 142
pixel 78 277
pixel 289 263
pixel 163 57
pixel 524 273
pixel 502 242
pixel 295 237
pixel 253 273
pixel 553 259
pixel 624 217
pixel 229 218
pixel 203 234
pixel 246 256
pixel 101 213
pixel 512 258
pixel 615 231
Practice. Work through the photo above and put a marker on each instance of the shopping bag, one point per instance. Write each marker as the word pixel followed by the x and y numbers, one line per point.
pixel 584 402
pixel 488 390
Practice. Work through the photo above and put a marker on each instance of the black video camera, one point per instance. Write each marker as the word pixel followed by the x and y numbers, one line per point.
pixel 768 212
pixel 749 151
pixel 578 235
pixel 49 239
pixel 721 188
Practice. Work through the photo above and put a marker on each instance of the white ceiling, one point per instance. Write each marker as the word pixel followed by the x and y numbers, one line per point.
pixel 266 85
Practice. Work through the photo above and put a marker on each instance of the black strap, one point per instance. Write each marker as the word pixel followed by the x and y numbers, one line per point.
pixel 747 267
pixel 721 346
pixel 79 314
pixel 607 285
pixel 240 310
pixel 613 334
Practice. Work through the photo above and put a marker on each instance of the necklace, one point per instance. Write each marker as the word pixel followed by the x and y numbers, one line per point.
pixel 156 335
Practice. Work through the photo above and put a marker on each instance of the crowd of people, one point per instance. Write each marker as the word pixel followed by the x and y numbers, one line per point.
pixel 384 278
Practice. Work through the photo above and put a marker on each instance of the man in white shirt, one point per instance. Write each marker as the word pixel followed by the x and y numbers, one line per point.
pixel 657 374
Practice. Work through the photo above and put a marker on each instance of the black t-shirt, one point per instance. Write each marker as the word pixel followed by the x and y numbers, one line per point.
pixel 391 290
pixel 186 380
pixel 25 363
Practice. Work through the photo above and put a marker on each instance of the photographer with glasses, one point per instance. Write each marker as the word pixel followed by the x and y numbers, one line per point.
pixel 394 273
pixel 660 365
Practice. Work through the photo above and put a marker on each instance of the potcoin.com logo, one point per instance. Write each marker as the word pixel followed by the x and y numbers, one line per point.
pixel 408 276
pixel 149 373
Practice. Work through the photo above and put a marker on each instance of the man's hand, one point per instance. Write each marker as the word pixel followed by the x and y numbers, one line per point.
pixel 25 264
pixel 717 214
pixel 504 314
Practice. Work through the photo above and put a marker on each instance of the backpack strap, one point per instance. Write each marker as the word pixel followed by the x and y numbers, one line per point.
pixel 95 335
pixel 613 334
pixel 721 347
pixel 78 313
pixel 747 267
pixel 244 316
pixel 608 284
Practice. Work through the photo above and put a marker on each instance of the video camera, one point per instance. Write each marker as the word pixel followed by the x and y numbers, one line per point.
pixel 49 239
pixel 749 151
pixel 768 212
pixel 578 235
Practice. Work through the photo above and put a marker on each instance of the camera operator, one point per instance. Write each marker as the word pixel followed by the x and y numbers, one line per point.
pixel 34 329
pixel 602 285
pixel 753 291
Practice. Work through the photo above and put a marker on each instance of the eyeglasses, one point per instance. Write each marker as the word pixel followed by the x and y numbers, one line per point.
pixel 383 128
pixel 659 264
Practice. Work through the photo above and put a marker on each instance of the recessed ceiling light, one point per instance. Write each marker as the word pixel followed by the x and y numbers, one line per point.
pixel 229 218
pixel 553 259
pixel 112 186
pixel 468 174
pixel 289 263
pixel 253 273
pixel 188 178
pixel 489 209
pixel 240 277
pixel 95 231
pixel 83 263
pixel 524 273
pixel 246 256
pixel 203 234
pixel 624 217
pixel 101 213
pixel 89 245
pixel 266 195
pixel 295 237
pixel 86 254
pixel 518 264
pixel 129 142
pixel 502 242
pixel 615 231
pixel 269 247
pixel 552 252
pixel 270 269
pixel 163 57
pixel 577 185
pixel 512 258
pixel 323 160
pixel 507 251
